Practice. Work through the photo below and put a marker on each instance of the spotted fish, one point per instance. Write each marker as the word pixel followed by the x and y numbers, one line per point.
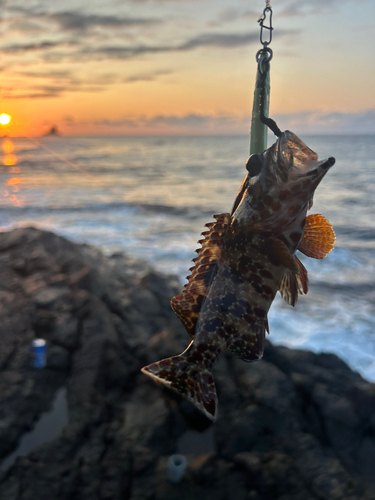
pixel 245 258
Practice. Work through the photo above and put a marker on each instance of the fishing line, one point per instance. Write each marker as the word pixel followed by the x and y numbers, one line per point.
pixel 80 169
pixel 60 157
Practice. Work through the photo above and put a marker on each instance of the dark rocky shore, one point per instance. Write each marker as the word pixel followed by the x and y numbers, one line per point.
pixel 293 426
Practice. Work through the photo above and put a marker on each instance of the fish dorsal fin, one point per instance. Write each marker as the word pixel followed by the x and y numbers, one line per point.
pixel 280 254
pixel 188 304
pixel 318 238
pixel 293 285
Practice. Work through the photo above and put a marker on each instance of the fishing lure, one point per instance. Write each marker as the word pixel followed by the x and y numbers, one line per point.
pixel 245 258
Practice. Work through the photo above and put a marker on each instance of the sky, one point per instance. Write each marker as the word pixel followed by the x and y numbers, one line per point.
pixel 113 67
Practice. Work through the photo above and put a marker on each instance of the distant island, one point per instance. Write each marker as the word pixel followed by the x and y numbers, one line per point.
pixel 53 131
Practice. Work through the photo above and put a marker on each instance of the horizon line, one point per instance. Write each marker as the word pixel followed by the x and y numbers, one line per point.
pixel 179 134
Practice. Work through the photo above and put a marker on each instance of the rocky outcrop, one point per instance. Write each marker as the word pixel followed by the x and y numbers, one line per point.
pixel 295 425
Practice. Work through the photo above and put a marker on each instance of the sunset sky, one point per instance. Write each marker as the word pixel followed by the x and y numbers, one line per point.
pixel 184 67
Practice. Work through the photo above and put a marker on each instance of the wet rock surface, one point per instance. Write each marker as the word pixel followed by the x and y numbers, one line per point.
pixel 295 425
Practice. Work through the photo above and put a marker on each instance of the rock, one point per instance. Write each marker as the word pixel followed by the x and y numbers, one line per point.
pixel 293 426
pixel 58 358
pixel 47 296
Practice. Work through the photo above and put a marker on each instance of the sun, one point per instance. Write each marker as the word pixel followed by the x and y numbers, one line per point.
pixel 5 119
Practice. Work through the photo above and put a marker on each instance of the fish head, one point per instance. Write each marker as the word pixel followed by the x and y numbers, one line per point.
pixel 280 184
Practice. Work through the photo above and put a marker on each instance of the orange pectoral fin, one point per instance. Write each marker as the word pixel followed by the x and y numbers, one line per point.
pixel 319 237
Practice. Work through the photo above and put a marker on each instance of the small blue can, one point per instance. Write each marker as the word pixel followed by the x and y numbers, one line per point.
pixel 39 351
pixel 176 467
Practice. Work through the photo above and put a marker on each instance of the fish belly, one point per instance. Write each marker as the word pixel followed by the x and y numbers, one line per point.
pixel 234 315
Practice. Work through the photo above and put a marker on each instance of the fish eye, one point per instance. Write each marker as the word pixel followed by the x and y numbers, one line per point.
pixel 254 165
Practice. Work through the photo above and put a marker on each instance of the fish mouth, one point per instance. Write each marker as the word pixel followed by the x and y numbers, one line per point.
pixel 317 167
pixel 311 173
pixel 296 159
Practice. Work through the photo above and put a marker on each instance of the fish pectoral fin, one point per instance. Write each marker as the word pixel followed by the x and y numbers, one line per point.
pixel 280 254
pixel 318 238
pixel 293 285
pixel 288 288
pixel 188 304
pixel 302 278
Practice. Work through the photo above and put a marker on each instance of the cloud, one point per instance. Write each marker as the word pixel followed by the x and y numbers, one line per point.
pixel 52 90
pixel 71 20
pixel 162 1
pixel 308 122
pixel 62 74
pixel 313 122
pixel 215 40
pixel 31 95
pixel 96 37
pixel 147 77
pixel 252 14
pixel 30 20
pixel 69 76
pixel 308 7
pixel 24 26
pixel 119 51
pixel 191 123
pixel 80 48
pixel 35 46
pixel 226 16
pixel 287 8
pixel 220 40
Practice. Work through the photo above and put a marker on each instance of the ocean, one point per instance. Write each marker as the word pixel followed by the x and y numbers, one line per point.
pixel 151 196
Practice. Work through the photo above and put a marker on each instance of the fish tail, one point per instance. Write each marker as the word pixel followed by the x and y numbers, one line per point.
pixel 191 380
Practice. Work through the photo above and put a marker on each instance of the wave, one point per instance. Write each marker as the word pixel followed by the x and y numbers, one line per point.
pixel 360 233
pixel 355 289
pixel 192 212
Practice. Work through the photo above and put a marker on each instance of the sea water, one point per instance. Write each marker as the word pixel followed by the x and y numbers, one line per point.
pixel 151 196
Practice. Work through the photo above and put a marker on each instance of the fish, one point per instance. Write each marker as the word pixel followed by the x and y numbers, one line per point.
pixel 245 257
